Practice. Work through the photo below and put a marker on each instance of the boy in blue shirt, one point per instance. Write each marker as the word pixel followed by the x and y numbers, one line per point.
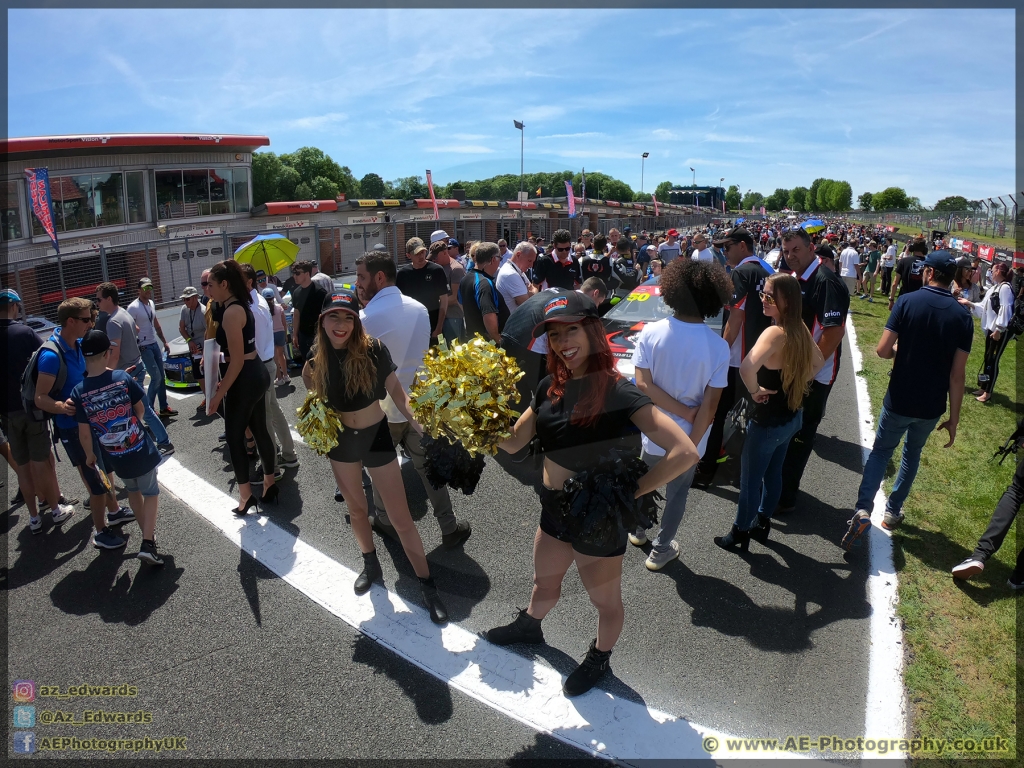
pixel 109 409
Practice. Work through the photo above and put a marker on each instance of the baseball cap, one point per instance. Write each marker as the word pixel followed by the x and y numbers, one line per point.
pixel 189 292
pixel 672 233
pixel 95 343
pixel 438 234
pixel 736 235
pixel 268 293
pixel 9 296
pixel 565 307
pixel 453 243
pixel 260 273
pixel 379 247
pixel 941 260
pixel 145 283
pixel 341 300
pixel 415 244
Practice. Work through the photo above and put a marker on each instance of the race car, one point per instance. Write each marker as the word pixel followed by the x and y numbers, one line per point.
pixel 624 321
pixel 178 368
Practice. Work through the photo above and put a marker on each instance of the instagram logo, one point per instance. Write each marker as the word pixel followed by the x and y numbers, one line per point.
pixel 24 691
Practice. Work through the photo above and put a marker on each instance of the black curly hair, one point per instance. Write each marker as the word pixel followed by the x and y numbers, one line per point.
pixel 695 288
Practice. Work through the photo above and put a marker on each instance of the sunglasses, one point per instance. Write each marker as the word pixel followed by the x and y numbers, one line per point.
pixel 90 319
pixel 562 250
pixel 767 298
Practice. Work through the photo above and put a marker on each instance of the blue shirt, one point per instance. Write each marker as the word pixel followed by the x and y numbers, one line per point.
pixel 105 403
pixel 931 326
pixel 75 362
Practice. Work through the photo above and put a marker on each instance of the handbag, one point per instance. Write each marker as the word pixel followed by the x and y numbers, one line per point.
pixel 734 431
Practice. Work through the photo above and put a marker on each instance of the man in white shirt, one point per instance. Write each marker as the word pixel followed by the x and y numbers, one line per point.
pixel 143 312
pixel 403 325
pixel 670 249
pixel 701 252
pixel 888 262
pixel 504 251
pixel 263 282
pixel 276 421
pixel 512 282
pixel 849 258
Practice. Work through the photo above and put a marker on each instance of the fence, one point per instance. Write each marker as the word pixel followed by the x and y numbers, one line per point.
pixel 173 263
pixel 991 218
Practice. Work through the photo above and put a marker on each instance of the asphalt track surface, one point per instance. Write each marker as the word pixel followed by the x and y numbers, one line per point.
pixel 225 653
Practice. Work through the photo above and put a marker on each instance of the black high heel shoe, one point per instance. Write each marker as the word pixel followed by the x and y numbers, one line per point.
pixel 270 494
pixel 761 529
pixel 248 505
pixel 735 538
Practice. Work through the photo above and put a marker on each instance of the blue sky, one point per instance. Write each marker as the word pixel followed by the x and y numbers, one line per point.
pixel 923 99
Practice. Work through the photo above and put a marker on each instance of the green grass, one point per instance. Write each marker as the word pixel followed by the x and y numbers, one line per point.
pixel 913 229
pixel 960 638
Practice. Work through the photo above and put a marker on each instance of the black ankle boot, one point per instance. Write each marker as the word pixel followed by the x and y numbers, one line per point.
pixel 762 527
pixel 588 673
pixel 735 538
pixel 371 572
pixel 438 613
pixel 525 629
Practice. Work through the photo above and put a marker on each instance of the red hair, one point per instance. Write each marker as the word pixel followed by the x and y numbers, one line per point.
pixel 601 375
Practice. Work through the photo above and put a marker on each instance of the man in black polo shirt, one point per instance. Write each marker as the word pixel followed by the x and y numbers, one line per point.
pixel 486 311
pixel 826 301
pixel 909 272
pixel 427 283
pixel 745 323
pixel 307 301
pixel 559 269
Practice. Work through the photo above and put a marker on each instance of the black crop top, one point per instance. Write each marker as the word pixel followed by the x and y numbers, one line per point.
pixel 248 330
pixel 576 447
pixel 336 397
pixel 775 410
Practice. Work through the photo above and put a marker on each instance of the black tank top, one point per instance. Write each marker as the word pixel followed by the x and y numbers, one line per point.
pixel 775 410
pixel 248 330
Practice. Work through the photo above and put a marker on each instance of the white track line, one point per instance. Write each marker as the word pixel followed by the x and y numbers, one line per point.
pixel 597 723
pixel 886 701
pixel 175 395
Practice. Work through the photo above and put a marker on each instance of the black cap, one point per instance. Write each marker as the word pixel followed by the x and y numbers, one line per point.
pixel 95 343
pixel 342 299
pixel 736 235
pixel 565 307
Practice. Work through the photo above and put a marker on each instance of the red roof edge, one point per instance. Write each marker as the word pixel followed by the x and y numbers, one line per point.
pixel 96 141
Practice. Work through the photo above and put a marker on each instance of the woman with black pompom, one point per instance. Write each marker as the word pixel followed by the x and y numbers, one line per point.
pixel 581 413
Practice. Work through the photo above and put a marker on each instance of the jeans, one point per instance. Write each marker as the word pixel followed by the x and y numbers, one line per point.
pixel 764 452
pixel 152 420
pixel 153 359
pixel 990 367
pixel 452 329
pixel 891 428
pixel 803 442
pixel 1002 519
pixel 676 493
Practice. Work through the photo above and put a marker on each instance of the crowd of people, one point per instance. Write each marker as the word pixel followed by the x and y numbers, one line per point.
pixel 771 369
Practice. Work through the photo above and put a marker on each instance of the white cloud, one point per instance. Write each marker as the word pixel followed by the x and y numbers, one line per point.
pixel 414 125
pixel 584 135
pixel 665 133
pixel 724 139
pixel 461 149
pixel 470 136
pixel 317 122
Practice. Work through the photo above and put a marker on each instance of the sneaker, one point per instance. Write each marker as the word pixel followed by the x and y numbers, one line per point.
pixel 1016 581
pixel 861 522
pixel 166 449
pixel 972 566
pixel 122 516
pixel 862 296
pixel 223 436
pixel 19 498
pixel 658 560
pixel 288 463
pixel 891 521
pixel 168 411
pixel 148 553
pixel 525 629
pixel 278 472
pixel 638 538
pixel 35 524
pixel 63 512
pixel 87 503
pixel 871 300
pixel 107 539
pixel 458 536
pixel 586 675
pixel 64 502
pixel 338 497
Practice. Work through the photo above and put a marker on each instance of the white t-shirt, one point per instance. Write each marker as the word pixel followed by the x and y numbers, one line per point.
pixel 505 257
pixel 848 261
pixel 889 259
pixel 702 254
pixel 264 326
pixel 511 283
pixel 143 313
pixel 683 359
pixel 668 252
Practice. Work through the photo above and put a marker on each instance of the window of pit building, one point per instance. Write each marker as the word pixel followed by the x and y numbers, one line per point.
pixel 194 192
pixel 85 201
pixel 10 211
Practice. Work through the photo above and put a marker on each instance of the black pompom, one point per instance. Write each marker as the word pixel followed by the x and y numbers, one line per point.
pixel 601 499
pixel 450 464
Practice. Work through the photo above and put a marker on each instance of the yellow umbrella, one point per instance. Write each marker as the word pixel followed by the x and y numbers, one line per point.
pixel 271 253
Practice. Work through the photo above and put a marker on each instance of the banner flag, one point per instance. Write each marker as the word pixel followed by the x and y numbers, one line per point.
pixel 583 185
pixel 655 204
pixel 42 204
pixel 430 186
pixel 572 200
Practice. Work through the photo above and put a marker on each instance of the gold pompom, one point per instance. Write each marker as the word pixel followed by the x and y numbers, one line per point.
pixel 463 394
pixel 318 424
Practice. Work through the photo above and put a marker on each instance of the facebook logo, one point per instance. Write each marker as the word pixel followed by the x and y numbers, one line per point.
pixel 25 742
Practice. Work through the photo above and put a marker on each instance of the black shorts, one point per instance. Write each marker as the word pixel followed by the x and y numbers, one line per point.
pixel 371 447
pixel 557 524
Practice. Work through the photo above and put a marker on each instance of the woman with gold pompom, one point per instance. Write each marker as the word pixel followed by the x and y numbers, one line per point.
pixel 580 413
pixel 352 372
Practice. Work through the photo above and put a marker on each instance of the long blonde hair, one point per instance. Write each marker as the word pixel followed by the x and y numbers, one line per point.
pixel 359 370
pixel 797 352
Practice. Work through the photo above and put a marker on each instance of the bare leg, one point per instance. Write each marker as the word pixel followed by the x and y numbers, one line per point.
pixel 388 479
pixel 45 481
pixel 25 482
pixel 145 512
pixel 602 576
pixel 349 477
pixel 551 560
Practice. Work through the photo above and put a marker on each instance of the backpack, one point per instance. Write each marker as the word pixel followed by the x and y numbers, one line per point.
pixel 31 374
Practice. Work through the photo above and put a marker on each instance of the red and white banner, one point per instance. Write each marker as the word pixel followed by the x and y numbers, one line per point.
pixel 655 204
pixel 967 246
pixel 430 186
pixel 986 251
pixel 1018 259
pixel 572 200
